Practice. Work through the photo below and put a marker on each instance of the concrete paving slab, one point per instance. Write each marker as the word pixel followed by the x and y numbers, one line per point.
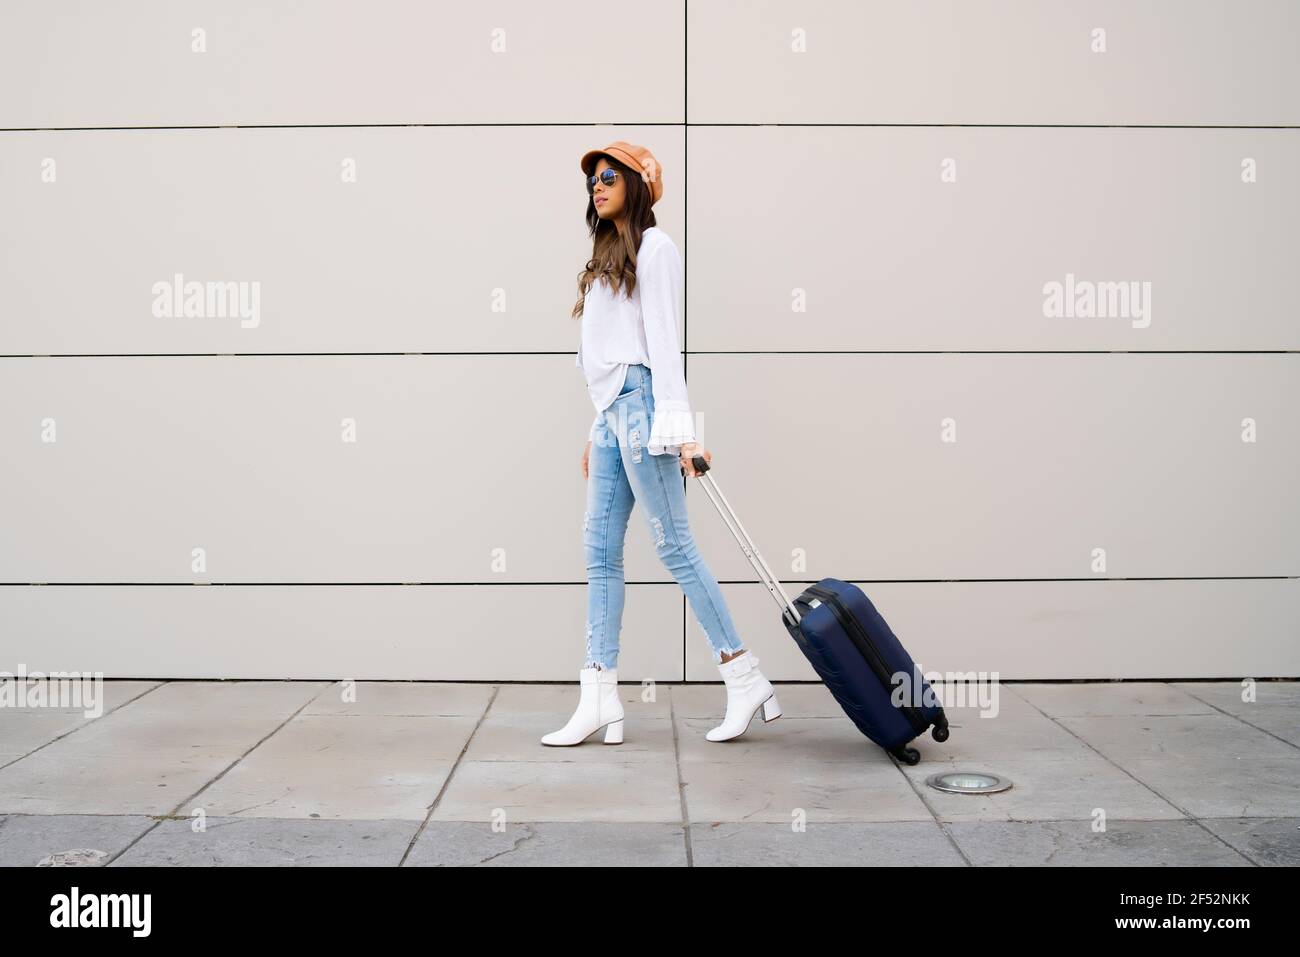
pixel 338 790
pixel 1268 842
pixel 785 739
pixel 221 699
pixel 1045 787
pixel 66 779
pixel 289 773
pixel 1014 728
pixel 131 762
pixel 268 842
pixel 1208 765
pixel 773 791
pixel 1276 707
pixel 517 737
pixel 28 839
pixel 577 789
pixel 823 844
pixel 367 766
pixel 115 694
pixel 23 729
pixel 395 739
pixel 1110 698
pixel 1074 844
pixel 549 844
pixel 419 698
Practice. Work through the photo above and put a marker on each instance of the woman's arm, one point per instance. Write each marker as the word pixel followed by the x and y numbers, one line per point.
pixel 662 283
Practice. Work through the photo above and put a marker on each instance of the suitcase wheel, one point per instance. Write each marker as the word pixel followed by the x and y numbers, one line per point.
pixel 940 731
pixel 907 755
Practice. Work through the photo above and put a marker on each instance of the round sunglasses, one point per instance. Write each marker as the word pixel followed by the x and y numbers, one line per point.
pixel 608 176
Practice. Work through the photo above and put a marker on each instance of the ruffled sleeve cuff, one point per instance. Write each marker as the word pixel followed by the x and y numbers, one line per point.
pixel 672 427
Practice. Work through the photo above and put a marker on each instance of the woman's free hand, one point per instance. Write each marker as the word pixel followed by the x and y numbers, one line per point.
pixel 586 457
pixel 690 450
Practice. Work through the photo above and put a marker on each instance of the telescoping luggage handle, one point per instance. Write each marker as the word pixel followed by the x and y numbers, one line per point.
pixel 742 537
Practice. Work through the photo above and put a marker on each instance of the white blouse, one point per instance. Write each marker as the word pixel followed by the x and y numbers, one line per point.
pixel 618 331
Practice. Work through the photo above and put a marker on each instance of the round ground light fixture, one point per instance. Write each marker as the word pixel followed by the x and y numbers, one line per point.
pixel 968 782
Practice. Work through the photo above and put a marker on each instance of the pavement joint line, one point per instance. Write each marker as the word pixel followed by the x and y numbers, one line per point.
pixel 1181 810
pixel 451 773
pixel 681 784
pixel 84 724
pixel 176 811
pixel 1211 704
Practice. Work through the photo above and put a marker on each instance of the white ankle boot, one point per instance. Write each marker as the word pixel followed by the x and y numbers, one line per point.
pixel 747 691
pixel 599 707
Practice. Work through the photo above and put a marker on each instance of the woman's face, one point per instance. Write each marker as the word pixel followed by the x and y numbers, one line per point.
pixel 608 200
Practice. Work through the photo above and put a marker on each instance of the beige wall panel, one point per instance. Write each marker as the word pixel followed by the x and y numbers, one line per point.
pixel 838 461
pixel 1051 630
pixel 848 239
pixel 401 633
pixel 1188 62
pixel 73 63
pixel 450 239
pixel 465 467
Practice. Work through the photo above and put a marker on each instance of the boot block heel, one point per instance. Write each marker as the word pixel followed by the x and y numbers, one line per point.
pixel 614 732
pixel 771 710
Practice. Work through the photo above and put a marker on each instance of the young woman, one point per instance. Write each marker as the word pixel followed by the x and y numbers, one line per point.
pixel 641 443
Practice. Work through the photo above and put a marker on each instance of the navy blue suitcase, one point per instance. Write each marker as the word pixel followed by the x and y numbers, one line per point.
pixel 851 647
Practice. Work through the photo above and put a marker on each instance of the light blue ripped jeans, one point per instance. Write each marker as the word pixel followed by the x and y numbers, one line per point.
pixel 620 472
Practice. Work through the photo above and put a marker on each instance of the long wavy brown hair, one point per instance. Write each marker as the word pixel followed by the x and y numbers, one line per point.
pixel 613 255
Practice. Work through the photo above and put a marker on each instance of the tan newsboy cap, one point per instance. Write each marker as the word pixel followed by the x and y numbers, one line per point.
pixel 637 157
